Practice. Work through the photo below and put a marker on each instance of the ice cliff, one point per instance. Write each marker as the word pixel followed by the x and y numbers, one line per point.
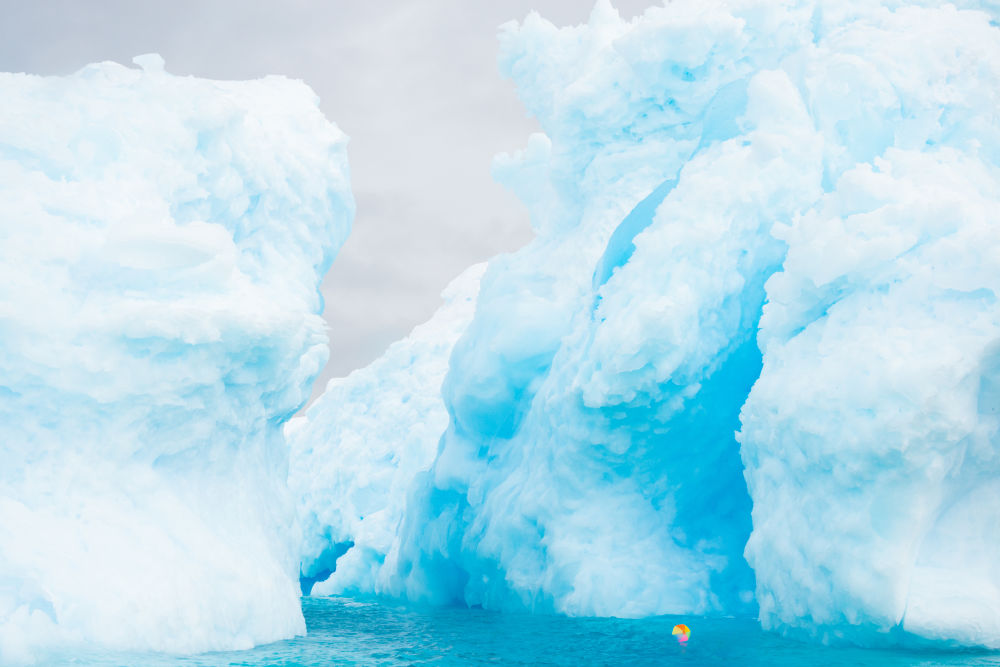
pixel 351 466
pixel 751 362
pixel 162 240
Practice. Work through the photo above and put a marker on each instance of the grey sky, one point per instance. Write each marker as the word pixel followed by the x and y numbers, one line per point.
pixel 413 83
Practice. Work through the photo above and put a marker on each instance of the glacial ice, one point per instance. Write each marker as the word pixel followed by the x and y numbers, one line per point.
pixel 162 240
pixel 757 328
pixel 749 365
pixel 350 464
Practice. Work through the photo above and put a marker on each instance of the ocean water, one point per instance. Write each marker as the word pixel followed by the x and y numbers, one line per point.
pixel 350 632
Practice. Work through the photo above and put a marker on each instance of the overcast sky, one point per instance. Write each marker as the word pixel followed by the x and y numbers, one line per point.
pixel 413 83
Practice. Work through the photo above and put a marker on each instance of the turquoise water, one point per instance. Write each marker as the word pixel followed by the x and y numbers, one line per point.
pixel 347 632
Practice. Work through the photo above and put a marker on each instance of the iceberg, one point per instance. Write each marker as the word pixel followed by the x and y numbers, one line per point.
pixel 870 439
pixel 590 466
pixel 162 241
pixel 351 466
pixel 749 363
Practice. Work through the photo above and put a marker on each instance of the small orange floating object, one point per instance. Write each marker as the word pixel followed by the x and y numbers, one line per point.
pixel 682 632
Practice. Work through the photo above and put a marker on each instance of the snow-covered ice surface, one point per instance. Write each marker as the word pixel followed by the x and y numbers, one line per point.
pixel 795 197
pixel 351 466
pixel 162 240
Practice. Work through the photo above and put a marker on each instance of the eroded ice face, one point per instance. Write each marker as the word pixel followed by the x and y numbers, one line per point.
pixel 837 162
pixel 161 243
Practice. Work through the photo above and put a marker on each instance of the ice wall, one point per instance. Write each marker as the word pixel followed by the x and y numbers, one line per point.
pixel 590 466
pixel 162 240
pixel 357 450
pixel 871 439
pixel 834 161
